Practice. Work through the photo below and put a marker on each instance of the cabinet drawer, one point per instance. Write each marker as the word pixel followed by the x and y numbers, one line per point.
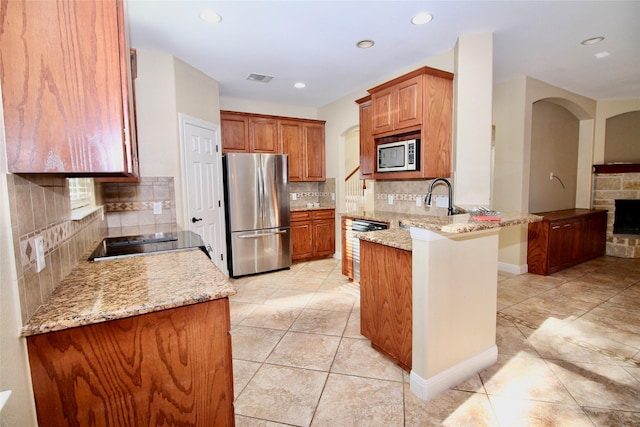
pixel 300 216
pixel 323 214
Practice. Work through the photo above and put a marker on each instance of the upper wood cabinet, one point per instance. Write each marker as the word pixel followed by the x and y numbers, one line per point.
pixel 398 106
pixel 243 133
pixel 301 139
pixel 367 144
pixel 313 143
pixel 417 105
pixel 67 89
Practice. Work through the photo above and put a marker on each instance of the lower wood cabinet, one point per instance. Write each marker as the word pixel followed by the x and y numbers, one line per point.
pixel 170 367
pixel 312 234
pixel 565 238
pixel 386 300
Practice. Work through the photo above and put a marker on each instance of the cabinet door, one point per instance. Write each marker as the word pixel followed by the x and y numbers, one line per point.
pixel 290 135
pixel 263 135
pixel 382 104
pixel 324 238
pixel 301 241
pixel 367 143
pixel 407 97
pixel 313 135
pixel 235 133
pixel 66 112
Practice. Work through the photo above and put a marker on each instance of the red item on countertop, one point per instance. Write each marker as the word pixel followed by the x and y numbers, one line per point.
pixel 485 218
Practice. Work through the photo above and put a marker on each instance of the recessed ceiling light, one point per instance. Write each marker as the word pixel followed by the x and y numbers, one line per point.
pixel 601 55
pixel 365 44
pixel 592 40
pixel 299 85
pixel 421 18
pixel 209 16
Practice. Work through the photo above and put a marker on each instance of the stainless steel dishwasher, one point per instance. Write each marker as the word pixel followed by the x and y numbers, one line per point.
pixel 359 226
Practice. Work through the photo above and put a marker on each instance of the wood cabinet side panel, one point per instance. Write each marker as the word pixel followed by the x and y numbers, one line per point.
pixel 538 247
pixel 386 310
pixel 347 248
pixel 172 365
pixel 63 112
pixel 367 143
pixel 436 144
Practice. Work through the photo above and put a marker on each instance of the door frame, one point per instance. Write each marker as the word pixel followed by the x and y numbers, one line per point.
pixel 183 120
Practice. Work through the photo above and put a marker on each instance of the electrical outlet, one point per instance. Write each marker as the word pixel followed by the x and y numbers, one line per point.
pixel 157 208
pixel 390 199
pixel 294 196
pixel 40 262
pixel 419 201
pixel 333 196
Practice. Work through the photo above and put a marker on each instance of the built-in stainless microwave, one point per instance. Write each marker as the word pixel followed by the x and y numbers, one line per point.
pixel 398 156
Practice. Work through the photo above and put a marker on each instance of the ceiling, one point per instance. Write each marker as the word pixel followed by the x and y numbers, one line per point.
pixel 315 42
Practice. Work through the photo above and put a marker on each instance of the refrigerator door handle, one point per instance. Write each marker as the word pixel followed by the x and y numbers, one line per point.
pixel 257 235
pixel 261 184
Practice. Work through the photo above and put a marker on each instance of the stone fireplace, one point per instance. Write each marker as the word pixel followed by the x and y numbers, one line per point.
pixel 616 187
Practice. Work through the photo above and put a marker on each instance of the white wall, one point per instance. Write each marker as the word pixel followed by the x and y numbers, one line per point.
pixel 165 87
pixel 14 364
pixel 257 107
pixel 605 109
pixel 472 119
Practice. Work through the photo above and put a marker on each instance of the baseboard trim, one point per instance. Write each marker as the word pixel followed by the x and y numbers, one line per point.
pixel 512 268
pixel 427 389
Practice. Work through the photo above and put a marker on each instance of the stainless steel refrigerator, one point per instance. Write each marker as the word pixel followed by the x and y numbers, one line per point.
pixel 257 212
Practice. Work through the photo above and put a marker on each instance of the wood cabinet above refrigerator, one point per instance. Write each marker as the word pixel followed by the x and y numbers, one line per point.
pixel 67 88
pixel 301 139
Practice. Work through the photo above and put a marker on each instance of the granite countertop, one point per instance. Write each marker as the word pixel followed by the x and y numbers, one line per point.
pixel 395 238
pixel 435 219
pixel 97 292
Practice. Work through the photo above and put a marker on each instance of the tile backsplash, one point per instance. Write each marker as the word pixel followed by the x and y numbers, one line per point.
pixel 310 192
pixel 130 206
pixel 40 207
pixel 404 193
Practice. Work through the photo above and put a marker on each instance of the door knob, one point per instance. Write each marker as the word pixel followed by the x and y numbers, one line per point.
pixel 194 219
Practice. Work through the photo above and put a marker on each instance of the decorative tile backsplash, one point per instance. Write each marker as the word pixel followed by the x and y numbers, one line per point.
pixel 40 207
pixel 310 192
pixel 404 194
pixel 131 204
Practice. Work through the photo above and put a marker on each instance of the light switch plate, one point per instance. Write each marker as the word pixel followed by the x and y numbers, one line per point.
pixel 419 201
pixel 294 196
pixel 157 208
pixel 390 199
pixel 442 202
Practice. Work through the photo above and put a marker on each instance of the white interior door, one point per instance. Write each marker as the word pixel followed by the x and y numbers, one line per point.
pixel 202 185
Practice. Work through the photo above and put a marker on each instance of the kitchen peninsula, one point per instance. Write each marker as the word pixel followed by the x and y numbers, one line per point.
pixel 451 331
pixel 133 341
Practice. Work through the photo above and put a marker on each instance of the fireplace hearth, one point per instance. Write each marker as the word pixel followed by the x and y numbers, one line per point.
pixel 627 217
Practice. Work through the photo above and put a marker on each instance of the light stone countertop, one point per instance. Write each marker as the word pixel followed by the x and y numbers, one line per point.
pixel 436 220
pixel 107 290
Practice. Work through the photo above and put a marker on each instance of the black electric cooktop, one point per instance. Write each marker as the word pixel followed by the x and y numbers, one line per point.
pixel 144 244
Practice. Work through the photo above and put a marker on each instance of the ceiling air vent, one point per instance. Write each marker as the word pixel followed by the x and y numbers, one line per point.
pixel 259 78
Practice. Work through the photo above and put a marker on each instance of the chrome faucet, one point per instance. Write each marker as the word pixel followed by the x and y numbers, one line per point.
pixel 427 199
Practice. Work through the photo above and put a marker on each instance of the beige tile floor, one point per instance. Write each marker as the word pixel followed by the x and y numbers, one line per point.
pixel 569 354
